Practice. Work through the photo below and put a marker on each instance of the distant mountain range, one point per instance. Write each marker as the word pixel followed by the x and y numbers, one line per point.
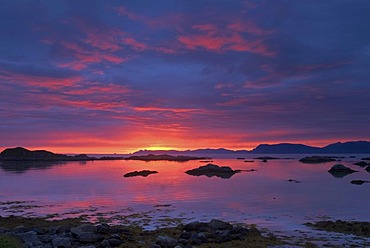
pixel 351 147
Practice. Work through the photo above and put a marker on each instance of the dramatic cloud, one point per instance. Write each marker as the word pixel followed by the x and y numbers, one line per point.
pixel 106 76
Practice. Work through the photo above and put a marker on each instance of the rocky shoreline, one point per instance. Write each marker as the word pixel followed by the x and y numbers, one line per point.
pixel 72 233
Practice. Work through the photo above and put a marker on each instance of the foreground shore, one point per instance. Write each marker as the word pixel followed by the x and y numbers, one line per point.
pixel 69 233
pixel 21 232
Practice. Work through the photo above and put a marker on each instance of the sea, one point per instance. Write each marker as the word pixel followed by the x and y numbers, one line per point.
pixel 278 196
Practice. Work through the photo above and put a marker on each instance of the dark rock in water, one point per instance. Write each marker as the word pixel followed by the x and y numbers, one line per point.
pixel 249 161
pixel 359 182
pixel 368 158
pixel 266 158
pixel 143 173
pixel 361 163
pixel 293 181
pixel 166 242
pixel 340 170
pixel 211 170
pixel 316 159
pixel 368 168
pixel 240 158
pixel 352 156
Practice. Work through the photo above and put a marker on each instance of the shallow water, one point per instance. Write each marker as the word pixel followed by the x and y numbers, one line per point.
pixel 264 197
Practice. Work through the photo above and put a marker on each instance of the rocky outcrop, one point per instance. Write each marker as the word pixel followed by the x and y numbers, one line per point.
pixel 340 170
pixel 23 154
pixel 361 164
pixel 211 170
pixel 143 173
pixel 316 159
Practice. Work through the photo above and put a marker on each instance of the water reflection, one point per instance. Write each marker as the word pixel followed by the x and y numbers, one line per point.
pixel 268 194
pixel 23 166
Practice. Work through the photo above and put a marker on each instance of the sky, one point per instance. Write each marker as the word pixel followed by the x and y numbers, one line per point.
pixel 118 76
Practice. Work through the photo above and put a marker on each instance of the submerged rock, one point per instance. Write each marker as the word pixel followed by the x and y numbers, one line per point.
pixel 143 173
pixel 316 159
pixel 211 170
pixel 359 182
pixel 368 168
pixel 340 170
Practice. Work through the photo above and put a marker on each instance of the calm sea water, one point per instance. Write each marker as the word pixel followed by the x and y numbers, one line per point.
pixel 264 197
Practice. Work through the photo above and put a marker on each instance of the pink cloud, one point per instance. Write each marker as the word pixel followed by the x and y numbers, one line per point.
pixel 211 37
pixel 39 80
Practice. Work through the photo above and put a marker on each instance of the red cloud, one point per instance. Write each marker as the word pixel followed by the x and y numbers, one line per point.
pixel 39 80
pixel 211 37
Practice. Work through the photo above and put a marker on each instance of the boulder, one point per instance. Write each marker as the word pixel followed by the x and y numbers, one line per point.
pixel 61 242
pixel 30 238
pixel 143 173
pixel 339 170
pixel 368 168
pixel 89 237
pixel 361 164
pixel 211 170
pixel 215 224
pixel 166 242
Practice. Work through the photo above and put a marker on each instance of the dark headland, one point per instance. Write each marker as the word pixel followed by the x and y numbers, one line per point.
pixel 22 154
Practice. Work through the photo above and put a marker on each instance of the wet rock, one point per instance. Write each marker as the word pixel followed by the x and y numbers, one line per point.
pixel 30 238
pixel 359 182
pixel 253 232
pixel 143 173
pixel 223 236
pixel 368 158
pixel 215 224
pixel 84 228
pixel 339 170
pixel 211 170
pixel 61 242
pixel 89 237
pixel 368 168
pixel 114 242
pixel 105 243
pixel 293 181
pixel 361 164
pixel 194 226
pixel 316 159
pixel 106 229
pixel 166 242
